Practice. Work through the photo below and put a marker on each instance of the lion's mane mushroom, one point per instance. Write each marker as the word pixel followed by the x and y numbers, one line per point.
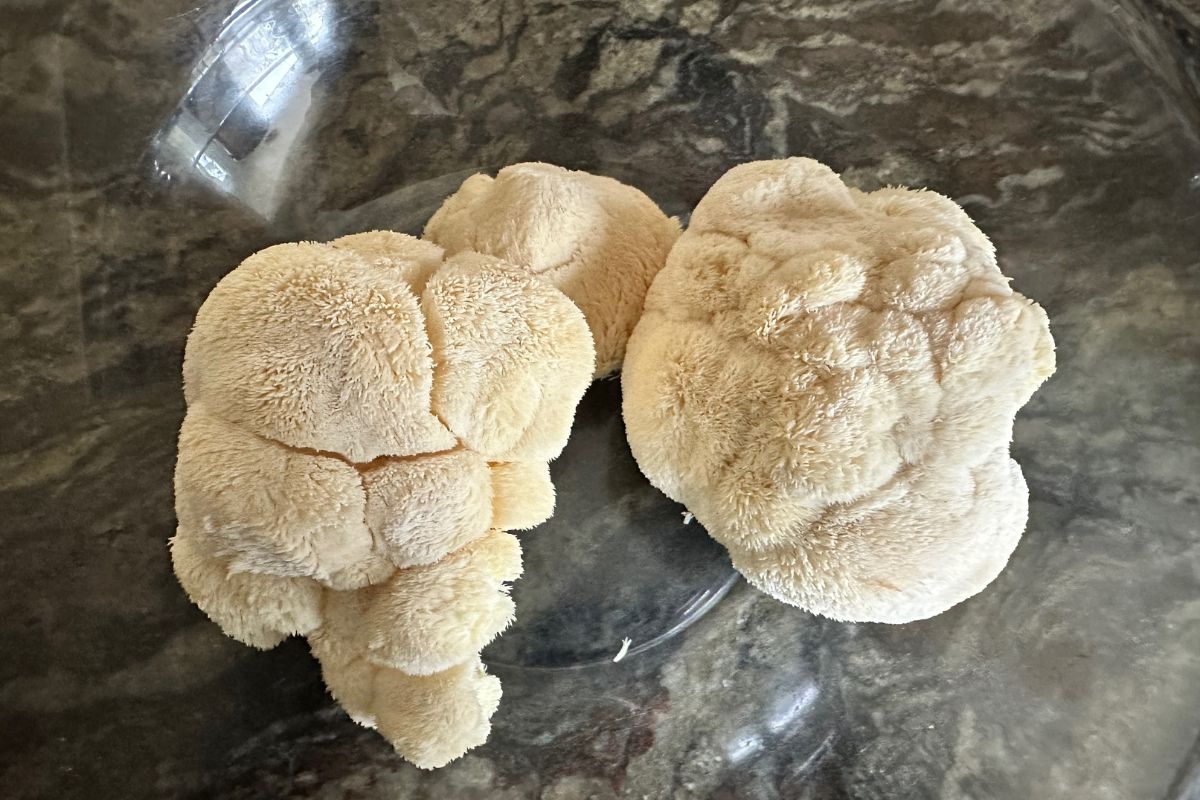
pixel 598 240
pixel 827 379
pixel 364 417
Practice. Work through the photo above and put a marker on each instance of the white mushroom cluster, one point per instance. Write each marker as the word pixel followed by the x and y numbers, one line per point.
pixel 365 420
pixel 827 379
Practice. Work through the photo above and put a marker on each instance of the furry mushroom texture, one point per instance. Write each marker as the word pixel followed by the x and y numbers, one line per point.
pixel 365 418
pixel 828 379
pixel 598 240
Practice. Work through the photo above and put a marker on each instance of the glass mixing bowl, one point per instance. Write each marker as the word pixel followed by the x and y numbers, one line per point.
pixel 148 147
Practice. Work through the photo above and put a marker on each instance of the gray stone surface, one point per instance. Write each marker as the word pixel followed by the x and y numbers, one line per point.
pixel 1063 127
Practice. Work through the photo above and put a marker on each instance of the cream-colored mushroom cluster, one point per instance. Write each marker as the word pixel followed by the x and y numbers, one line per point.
pixel 365 420
pixel 827 379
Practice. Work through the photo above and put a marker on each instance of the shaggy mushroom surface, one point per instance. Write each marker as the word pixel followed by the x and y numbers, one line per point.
pixel 827 379
pixel 598 240
pixel 365 419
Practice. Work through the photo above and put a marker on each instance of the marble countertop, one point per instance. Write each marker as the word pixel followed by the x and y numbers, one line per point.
pixel 130 181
